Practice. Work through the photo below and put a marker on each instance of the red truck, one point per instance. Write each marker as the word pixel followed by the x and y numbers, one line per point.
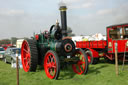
pixel 117 35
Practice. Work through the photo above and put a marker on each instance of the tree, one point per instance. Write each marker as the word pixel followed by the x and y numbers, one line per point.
pixel 5 41
pixel 69 31
pixel 13 40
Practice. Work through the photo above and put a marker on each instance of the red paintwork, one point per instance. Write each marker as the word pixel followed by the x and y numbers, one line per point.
pixel 5 46
pixel 79 68
pixel 121 43
pixel 25 56
pixel 121 46
pixel 50 65
pixel 89 57
pixel 95 54
pixel 91 44
pixel 109 41
pixel 37 37
pixel 107 48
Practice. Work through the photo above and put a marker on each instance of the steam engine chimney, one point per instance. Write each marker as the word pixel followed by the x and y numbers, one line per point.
pixel 63 20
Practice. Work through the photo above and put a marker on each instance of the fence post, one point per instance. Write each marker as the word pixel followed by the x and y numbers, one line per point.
pixel 116 59
pixel 17 67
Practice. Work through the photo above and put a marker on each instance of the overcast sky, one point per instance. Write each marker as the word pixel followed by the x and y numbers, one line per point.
pixel 21 18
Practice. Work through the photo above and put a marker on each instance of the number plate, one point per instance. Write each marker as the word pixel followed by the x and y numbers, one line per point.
pixel 68 56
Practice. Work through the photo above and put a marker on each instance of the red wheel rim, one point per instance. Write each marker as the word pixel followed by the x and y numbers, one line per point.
pixel 50 65
pixel 79 68
pixel 89 57
pixel 25 56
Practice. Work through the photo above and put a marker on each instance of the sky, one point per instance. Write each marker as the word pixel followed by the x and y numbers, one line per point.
pixel 21 18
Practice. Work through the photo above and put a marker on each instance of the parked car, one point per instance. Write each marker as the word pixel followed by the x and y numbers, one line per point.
pixel 10 56
pixel 2 51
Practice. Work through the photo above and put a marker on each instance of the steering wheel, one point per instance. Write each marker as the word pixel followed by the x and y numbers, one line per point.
pixel 51 28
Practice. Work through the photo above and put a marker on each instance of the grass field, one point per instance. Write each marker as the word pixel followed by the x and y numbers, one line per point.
pixel 99 74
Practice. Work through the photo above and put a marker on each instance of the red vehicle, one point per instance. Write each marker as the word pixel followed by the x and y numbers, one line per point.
pixel 117 35
pixel 5 46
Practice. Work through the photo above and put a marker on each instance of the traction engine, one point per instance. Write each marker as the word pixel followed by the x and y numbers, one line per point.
pixel 53 50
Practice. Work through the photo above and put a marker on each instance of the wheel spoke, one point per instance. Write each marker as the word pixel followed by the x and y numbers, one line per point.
pixel 27 65
pixel 83 66
pixel 51 59
pixel 80 68
pixel 48 61
pixel 26 51
pixel 48 65
pixel 82 62
pixel 25 58
pixel 82 58
pixel 51 72
pixel 54 66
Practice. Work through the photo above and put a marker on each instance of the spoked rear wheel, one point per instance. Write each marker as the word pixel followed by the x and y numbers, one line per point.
pixel 29 55
pixel 52 65
pixel 81 67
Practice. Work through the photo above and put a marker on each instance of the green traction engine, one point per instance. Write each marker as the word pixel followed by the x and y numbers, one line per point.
pixel 53 50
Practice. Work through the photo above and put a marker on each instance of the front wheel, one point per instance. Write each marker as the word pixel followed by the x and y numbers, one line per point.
pixel 52 65
pixel 81 67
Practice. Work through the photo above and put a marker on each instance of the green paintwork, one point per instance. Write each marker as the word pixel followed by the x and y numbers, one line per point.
pixel 48 43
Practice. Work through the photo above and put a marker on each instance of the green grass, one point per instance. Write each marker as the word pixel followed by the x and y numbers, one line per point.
pixel 99 74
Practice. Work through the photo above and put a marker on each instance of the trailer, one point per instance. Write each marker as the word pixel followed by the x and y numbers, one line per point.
pixel 116 35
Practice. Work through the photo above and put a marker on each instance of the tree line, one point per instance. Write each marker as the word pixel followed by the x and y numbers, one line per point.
pixel 10 41
pixel 5 41
pixel 14 39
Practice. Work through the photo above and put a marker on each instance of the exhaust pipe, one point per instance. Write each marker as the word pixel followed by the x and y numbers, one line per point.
pixel 63 20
